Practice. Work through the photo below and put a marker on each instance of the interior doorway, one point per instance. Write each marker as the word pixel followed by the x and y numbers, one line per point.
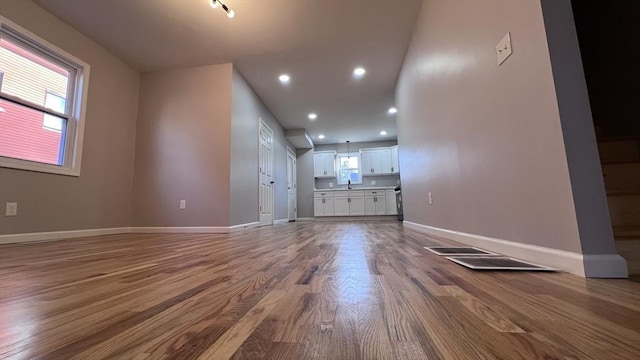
pixel 265 172
pixel 292 185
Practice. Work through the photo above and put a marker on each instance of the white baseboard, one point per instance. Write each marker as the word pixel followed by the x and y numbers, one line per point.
pixel 596 266
pixel 241 227
pixel 180 230
pixel 305 219
pixel 58 235
pixel 281 222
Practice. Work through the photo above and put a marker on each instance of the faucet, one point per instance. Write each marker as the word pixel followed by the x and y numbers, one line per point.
pixel 349 184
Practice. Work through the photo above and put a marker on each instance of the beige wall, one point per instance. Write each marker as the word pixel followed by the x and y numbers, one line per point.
pixel 485 140
pixel 183 148
pixel 247 107
pixel 101 196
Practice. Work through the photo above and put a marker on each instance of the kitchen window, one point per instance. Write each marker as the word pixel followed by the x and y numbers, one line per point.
pixel 349 168
pixel 42 102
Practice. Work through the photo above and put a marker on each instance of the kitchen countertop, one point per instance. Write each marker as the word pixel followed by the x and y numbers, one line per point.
pixel 359 188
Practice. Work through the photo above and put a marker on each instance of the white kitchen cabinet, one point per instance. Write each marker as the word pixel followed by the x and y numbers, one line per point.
pixel 395 160
pixel 375 202
pixel 323 203
pixel 379 161
pixel 324 164
pixel 392 208
pixel 386 163
pixel 341 203
pixel 356 203
pixel 348 202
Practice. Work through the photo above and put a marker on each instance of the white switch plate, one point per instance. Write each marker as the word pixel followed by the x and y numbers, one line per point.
pixel 503 49
pixel 11 209
pixel 183 204
pixel 373 182
pixel 330 184
pixel 430 199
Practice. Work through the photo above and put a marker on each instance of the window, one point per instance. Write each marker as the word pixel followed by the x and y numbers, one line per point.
pixel 42 101
pixel 349 169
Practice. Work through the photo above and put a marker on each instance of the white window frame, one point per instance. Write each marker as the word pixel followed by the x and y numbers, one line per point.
pixel 76 104
pixel 353 154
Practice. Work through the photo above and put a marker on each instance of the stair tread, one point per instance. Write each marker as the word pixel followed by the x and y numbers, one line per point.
pixel 623 192
pixel 616 162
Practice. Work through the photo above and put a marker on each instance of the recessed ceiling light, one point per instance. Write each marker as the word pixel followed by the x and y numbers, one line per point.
pixel 231 14
pixel 320 136
pixel 284 78
pixel 313 116
pixel 214 4
pixel 383 133
pixel 2 110
pixel 392 110
pixel 359 72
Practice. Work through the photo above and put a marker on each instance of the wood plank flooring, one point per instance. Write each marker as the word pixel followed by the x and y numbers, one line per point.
pixel 343 290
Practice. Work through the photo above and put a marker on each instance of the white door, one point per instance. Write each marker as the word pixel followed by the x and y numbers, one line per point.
pixel 369 205
pixel 291 184
pixel 356 206
pixel 265 162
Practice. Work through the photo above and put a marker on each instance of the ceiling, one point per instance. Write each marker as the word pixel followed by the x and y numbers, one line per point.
pixel 317 42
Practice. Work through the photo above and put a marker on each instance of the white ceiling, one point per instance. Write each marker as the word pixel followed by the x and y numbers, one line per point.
pixel 317 42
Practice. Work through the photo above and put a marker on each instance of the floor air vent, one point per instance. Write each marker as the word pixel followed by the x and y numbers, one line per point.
pixel 451 250
pixel 496 263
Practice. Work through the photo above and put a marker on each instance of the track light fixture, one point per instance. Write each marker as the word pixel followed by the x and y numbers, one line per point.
pixel 230 12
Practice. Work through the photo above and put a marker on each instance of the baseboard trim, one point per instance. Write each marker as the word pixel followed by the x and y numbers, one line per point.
pixel 241 227
pixel 281 222
pixel 59 235
pixel 180 230
pixel 595 266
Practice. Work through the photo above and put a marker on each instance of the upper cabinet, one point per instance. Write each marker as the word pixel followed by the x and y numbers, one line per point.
pixel 324 164
pixel 380 161
pixel 395 160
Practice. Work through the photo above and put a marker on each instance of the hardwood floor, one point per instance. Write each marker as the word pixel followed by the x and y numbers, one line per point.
pixel 343 290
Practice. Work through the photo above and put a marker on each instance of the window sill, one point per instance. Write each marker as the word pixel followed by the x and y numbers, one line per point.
pixel 11 163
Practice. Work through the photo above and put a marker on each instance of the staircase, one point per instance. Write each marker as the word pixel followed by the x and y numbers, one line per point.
pixel 620 159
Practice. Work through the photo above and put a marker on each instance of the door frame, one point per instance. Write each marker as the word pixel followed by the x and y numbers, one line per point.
pixel 295 184
pixel 262 123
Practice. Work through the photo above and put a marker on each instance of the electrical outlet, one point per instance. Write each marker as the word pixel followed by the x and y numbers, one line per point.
pixel 503 49
pixel 330 184
pixel 183 204
pixel 398 181
pixel 430 199
pixel 11 209
pixel 373 182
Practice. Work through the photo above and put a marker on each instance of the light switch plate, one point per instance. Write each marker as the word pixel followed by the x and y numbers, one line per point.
pixel 183 204
pixel 503 49
pixel 330 184
pixel 11 209
pixel 373 182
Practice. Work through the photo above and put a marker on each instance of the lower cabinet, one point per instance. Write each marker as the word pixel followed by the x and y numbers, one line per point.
pixel 354 202
pixel 348 203
pixel 375 202
pixel 392 208
pixel 323 204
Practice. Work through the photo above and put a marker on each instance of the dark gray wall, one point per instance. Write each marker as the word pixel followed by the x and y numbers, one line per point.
pixel 585 171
